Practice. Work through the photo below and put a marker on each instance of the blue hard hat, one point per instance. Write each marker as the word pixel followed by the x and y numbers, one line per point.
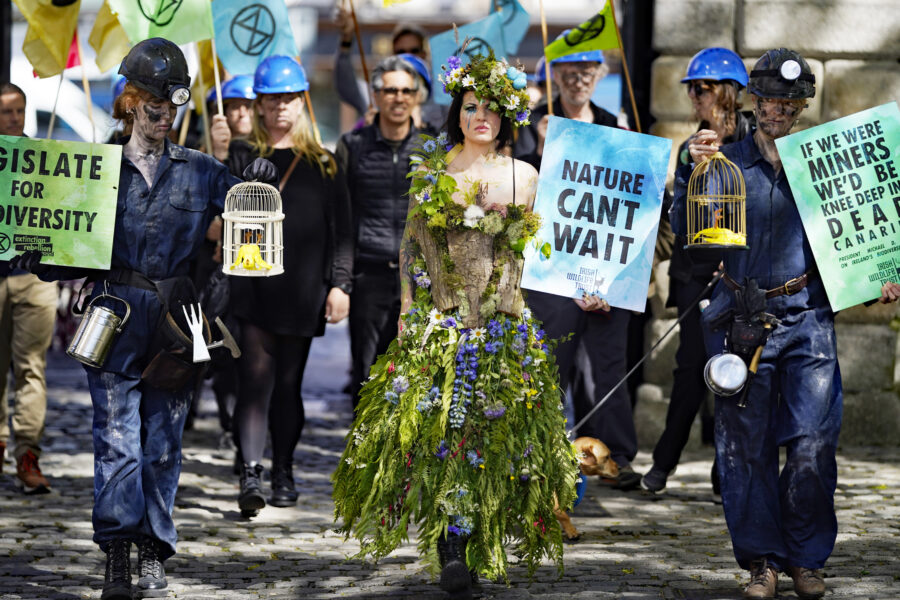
pixel 119 87
pixel 420 67
pixel 540 71
pixel 239 86
pixel 279 75
pixel 589 56
pixel 717 64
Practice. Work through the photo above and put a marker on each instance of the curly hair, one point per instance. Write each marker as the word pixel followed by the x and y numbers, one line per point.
pixel 125 102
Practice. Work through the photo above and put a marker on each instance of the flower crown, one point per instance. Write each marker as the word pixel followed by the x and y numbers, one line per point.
pixel 491 79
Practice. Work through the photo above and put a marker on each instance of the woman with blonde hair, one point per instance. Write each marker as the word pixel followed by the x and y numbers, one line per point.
pixel 280 315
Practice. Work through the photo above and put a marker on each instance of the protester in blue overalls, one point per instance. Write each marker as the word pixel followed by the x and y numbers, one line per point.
pixel 168 195
pixel 778 522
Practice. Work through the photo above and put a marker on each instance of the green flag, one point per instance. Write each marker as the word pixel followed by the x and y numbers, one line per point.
pixel 180 21
pixel 597 33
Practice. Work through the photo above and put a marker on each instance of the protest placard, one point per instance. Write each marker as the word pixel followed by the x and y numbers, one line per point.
pixel 59 198
pixel 846 182
pixel 599 195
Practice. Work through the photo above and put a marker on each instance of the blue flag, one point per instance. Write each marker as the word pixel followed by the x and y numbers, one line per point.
pixel 486 34
pixel 515 23
pixel 248 32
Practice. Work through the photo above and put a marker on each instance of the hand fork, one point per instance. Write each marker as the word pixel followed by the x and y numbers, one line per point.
pixel 195 323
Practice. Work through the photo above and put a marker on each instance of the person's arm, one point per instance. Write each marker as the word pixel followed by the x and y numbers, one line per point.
pixel 344 77
pixel 337 305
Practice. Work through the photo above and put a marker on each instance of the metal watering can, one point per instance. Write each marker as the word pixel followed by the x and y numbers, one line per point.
pixel 97 332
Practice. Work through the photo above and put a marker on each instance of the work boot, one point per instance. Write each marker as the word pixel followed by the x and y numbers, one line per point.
pixel 251 498
pixel 284 493
pixel 117 581
pixel 808 583
pixel 151 574
pixel 763 580
pixel 29 476
pixel 456 579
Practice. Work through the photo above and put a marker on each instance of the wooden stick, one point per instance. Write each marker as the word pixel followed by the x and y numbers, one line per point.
pixel 185 124
pixel 207 141
pixel 637 118
pixel 87 87
pixel 215 58
pixel 312 113
pixel 546 62
pixel 362 54
pixel 55 102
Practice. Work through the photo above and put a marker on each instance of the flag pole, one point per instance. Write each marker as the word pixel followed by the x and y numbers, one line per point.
pixel 546 62
pixel 87 86
pixel 362 52
pixel 312 113
pixel 207 141
pixel 215 57
pixel 55 102
pixel 185 124
pixel 637 119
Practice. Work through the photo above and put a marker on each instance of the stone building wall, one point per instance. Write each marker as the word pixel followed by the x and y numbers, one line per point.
pixel 853 48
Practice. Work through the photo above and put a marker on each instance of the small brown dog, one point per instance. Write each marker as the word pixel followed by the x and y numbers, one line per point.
pixel 595 460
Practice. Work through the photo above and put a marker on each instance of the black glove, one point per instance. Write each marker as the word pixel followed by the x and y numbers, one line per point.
pixel 30 260
pixel 261 170
pixel 750 301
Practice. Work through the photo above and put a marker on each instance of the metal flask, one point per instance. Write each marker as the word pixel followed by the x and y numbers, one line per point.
pixel 725 374
pixel 96 332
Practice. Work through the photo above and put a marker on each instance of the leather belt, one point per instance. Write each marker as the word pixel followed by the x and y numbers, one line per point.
pixel 790 287
pixel 131 278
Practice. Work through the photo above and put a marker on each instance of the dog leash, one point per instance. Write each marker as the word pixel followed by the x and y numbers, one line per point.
pixel 609 394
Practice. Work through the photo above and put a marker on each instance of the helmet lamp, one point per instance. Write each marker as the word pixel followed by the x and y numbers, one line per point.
pixel 790 70
pixel 179 95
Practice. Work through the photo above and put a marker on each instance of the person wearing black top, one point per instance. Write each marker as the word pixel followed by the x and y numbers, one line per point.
pixel 376 162
pixel 280 315
pixel 602 335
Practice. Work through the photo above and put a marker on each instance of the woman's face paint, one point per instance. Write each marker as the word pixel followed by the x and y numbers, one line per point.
pixel 478 123
pixel 153 119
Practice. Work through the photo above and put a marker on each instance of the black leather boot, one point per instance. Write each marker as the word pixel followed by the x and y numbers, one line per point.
pixel 251 498
pixel 117 581
pixel 456 579
pixel 151 574
pixel 284 492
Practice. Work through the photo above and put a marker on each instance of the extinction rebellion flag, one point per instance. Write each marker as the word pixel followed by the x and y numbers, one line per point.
pixel 248 32
pixel 179 21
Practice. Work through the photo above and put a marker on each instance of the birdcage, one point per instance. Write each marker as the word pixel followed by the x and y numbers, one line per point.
pixel 716 212
pixel 253 242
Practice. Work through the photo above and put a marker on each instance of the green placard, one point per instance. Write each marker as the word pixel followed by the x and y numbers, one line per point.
pixel 59 198
pixel 845 176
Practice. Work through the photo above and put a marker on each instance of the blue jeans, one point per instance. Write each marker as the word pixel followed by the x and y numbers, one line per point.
pixel 794 401
pixel 137 458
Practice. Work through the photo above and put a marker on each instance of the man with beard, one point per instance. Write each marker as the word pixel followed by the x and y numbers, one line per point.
pixel 778 522
pixel 375 159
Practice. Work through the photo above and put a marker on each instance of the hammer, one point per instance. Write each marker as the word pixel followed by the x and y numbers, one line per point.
pixel 227 340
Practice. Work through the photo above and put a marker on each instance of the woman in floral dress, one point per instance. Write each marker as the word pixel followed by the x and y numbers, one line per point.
pixel 460 429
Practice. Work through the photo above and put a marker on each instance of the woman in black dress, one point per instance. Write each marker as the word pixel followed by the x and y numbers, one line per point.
pixel 280 315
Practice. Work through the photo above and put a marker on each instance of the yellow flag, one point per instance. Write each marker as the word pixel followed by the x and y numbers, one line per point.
pixel 393 2
pixel 597 33
pixel 49 35
pixel 108 39
pixel 198 93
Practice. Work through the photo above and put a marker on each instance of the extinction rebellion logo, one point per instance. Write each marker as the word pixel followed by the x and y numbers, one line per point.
pixel 252 29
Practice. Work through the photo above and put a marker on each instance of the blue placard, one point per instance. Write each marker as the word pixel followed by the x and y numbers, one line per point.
pixel 599 195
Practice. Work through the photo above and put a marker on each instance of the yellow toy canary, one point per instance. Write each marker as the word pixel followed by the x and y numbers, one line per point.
pixel 250 259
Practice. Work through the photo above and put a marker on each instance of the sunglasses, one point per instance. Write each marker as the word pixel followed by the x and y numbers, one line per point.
pixel 572 77
pixel 698 87
pixel 417 50
pixel 393 91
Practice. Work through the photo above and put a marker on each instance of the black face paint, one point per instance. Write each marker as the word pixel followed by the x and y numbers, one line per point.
pixel 154 115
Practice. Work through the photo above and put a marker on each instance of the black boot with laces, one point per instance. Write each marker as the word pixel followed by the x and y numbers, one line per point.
pixel 456 579
pixel 284 492
pixel 151 574
pixel 251 498
pixel 117 581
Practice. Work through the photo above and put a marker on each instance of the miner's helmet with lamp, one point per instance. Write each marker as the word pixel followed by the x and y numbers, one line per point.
pixel 784 74
pixel 717 64
pixel 279 74
pixel 157 65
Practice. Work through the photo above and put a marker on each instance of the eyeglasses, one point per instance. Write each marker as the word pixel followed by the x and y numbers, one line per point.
pixel 788 108
pixel 572 77
pixel 698 87
pixel 393 91
pixel 417 50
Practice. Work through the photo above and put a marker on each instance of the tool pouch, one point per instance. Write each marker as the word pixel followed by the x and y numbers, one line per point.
pixel 744 338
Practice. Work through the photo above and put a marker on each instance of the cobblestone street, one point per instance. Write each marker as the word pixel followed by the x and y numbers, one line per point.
pixel 674 545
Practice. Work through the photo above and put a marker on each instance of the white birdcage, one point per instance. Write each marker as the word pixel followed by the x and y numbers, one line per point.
pixel 716 205
pixel 253 241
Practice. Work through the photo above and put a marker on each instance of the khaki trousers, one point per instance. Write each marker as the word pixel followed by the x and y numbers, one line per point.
pixel 27 318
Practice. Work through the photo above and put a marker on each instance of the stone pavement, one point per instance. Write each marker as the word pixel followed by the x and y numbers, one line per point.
pixel 673 545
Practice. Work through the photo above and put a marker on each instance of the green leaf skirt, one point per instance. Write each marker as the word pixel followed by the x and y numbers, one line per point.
pixel 461 431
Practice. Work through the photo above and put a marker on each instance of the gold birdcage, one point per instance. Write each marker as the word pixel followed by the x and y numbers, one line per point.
pixel 716 212
pixel 253 241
